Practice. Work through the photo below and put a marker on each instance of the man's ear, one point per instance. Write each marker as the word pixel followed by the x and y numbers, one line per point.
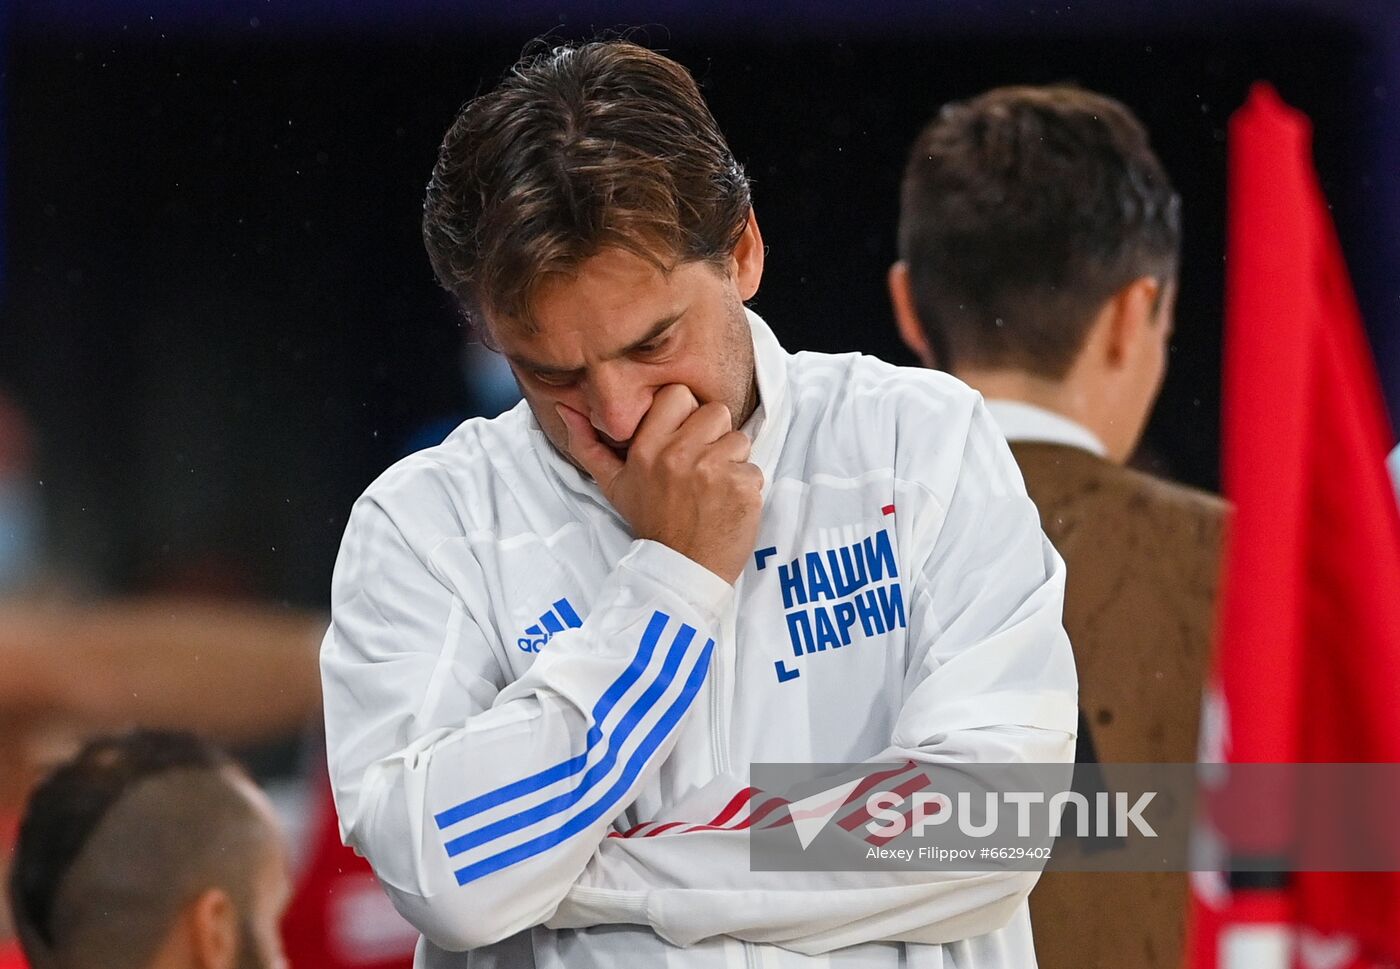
pixel 906 317
pixel 214 935
pixel 748 259
pixel 1129 313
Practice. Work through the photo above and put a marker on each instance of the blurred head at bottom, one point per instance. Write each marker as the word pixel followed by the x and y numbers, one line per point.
pixel 150 850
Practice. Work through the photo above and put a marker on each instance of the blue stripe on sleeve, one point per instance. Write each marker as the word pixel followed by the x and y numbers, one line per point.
pixel 573 765
pixel 617 737
pixel 584 818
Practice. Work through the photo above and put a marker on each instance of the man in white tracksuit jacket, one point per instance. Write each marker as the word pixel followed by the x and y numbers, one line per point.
pixel 560 638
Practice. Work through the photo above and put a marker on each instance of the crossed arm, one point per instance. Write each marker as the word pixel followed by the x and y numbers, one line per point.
pixel 992 682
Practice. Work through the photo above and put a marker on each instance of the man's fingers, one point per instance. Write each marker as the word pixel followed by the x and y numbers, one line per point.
pixel 734 446
pixel 708 424
pixel 668 411
pixel 584 447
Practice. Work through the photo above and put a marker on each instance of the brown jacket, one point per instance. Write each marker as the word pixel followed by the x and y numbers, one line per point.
pixel 1142 560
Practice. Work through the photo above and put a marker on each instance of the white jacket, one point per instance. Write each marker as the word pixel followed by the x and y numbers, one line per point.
pixel 540 729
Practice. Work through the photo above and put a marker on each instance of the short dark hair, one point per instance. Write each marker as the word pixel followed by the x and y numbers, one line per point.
pixel 65 815
pixel 1022 211
pixel 581 147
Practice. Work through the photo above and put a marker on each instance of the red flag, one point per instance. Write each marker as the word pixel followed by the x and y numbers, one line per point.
pixel 1309 656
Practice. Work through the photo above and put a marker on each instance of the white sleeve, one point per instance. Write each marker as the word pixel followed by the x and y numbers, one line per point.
pixel 991 680
pixel 476 802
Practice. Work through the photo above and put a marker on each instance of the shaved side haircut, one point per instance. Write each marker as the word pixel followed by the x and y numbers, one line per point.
pixel 115 843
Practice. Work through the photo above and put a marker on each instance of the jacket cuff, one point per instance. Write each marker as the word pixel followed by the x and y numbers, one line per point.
pixel 683 576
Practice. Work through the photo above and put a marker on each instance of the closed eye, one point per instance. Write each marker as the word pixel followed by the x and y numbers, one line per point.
pixel 652 348
pixel 552 378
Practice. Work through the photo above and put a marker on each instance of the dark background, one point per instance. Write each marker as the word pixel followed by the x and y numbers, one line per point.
pixel 219 316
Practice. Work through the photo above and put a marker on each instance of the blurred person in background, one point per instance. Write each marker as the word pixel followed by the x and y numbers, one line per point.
pixel 1038 244
pixel 150 850
pixel 243 672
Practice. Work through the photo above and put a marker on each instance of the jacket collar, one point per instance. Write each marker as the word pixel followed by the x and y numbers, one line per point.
pixel 1022 421
pixel 774 414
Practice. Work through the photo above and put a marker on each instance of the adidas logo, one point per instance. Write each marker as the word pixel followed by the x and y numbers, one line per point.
pixel 560 616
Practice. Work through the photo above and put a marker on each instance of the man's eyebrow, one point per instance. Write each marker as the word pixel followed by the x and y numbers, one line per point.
pixel 657 330
pixel 660 327
pixel 524 363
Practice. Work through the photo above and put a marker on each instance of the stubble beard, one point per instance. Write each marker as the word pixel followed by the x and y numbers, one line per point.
pixel 740 348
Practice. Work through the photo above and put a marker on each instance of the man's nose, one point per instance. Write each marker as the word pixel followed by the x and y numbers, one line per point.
pixel 616 405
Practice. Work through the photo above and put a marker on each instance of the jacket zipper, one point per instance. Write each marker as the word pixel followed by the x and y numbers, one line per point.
pixel 719 732
pixel 717 726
